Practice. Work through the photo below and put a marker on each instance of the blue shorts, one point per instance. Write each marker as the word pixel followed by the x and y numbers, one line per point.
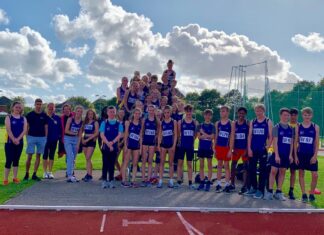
pixel 284 162
pixel 189 152
pixel 38 142
pixel 304 162
pixel 205 153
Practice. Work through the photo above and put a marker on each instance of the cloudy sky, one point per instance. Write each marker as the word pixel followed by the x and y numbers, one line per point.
pixel 56 49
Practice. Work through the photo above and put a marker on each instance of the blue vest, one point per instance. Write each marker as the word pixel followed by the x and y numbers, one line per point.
pixel 306 141
pixel 224 134
pixel 89 128
pixel 131 99
pixel 74 127
pixel 167 133
pixel 241 135
pixel 134 132
pixel 188 131
pixel 17 127
pixel 260 132
pixel 206 144
pixel 111 132
pixel 150 131
pixel 285 140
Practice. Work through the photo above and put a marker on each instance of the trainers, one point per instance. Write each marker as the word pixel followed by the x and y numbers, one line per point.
pixel 311 198
pixel 231 188
pixel 36 178
pixel 176 185
pixel 148 184
pixel 104 184
pixel 268 196
pixel 143 184
pixel 125 184
pixel 250 192
pixel 45 175
pixel 218 189
pixel 85 178
pixel 26 176
pixel 50 175
pixel 160 184
pixel 16 180
pixel 243 190
pixel 291 195
pixel 111 184
pixel 170 184
pixel 201 185
pixel 72 179
pixel 192 186
pixel 207 188
pixel 227 189
pixel 134 185
pixel 304 198
pixel 258 195
pixel 280 197
pixel 5 182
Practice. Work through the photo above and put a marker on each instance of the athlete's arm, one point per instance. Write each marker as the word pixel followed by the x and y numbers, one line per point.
pixel 275 145
pixel 296 145
pixel 126 133
pixel 216 134
pixel 269 140
pixel 232 136
pixel 118 94
pixel 8 129
pixel 316 145
pixel 125 100
pixel 175 129
pixel 67 127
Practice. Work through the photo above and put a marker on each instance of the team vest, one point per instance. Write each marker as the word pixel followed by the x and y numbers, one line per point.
pixel 241 134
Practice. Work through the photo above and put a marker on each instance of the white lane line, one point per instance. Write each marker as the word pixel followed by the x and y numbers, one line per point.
pixel 190 229
pixel 103 221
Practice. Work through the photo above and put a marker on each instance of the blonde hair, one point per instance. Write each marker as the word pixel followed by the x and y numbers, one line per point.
pixel 260 106
pixel 307 110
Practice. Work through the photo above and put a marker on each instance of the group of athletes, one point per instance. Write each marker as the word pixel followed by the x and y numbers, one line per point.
pixel 151 124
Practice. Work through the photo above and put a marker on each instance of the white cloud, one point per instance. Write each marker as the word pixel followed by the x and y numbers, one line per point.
pixel 124 42
pixel 3 17
pixel 314 42
pixel 78 51
pixel 26 61
pixel 68 86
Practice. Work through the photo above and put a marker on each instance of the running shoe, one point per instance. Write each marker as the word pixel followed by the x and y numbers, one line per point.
pixel 26 176
pixel 218 189
pixel 86 178
pixel 311 198
pixel 16 180
pixel 227 189
pixel 170 184
pixel 111 184
pixel 125 184
pixel 104 184
pixel 268 196
pixel 291 195
pixel 148 184
pixel 5 182
pixel 258 195
pixel 207 188
pixel 231 188
pixel 45 175
pixel 50 175
pixel 192 186
pixel 304 198
pixel 36 178
pixel 143 184
pixel 201 185
pixel 160 184
pixel 243 190
pixel 280 197
pixel 250 192
pixel 134 185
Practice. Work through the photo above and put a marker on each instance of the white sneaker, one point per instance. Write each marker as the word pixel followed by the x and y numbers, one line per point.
pixel 45 175
pixel 50 175
pixel 74 179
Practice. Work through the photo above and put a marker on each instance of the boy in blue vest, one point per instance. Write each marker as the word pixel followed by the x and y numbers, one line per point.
pixel 306 145
pixel 281 159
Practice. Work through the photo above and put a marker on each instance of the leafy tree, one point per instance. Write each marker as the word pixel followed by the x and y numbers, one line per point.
pixel 79 100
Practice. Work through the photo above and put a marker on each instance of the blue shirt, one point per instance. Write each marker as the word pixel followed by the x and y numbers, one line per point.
pixel 224 133
pixel 54 128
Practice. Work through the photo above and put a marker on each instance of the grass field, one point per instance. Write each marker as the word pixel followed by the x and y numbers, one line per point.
pixel 7 192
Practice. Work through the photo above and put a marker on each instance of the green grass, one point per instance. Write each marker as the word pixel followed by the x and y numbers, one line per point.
pixel 10 191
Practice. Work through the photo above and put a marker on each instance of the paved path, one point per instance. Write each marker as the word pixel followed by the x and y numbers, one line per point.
pixel 59 193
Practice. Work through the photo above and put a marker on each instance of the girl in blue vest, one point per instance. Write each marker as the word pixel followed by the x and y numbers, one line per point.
pixel 130 98
pixel 121 91
pixel 186 135
pixel 133 146
pixel 307 144
pixel 151 126
pixel 16 127
pixel 90 134
pixel 166 145
pixel 281 159
pixel 72 139
pixel 259 141
pixel 110 132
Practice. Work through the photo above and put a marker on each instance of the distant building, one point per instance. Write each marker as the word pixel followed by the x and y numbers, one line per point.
pixel 5 104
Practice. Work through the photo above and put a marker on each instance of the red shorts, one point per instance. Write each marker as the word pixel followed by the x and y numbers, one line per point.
pixel 238 153
pixel 221 153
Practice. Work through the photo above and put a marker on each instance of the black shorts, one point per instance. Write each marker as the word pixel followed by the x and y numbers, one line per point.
pixel 293 166
pixel 147 143
pixel 90 143
pixel 166 146
pixel 205 153
pixel 284 162
pixel 189 152
pixel 49 151
pixel 133 148
pixel 304 162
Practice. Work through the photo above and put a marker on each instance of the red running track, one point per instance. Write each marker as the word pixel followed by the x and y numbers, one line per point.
pixel 164 223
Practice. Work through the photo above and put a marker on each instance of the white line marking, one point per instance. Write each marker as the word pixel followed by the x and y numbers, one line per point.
pixel 190 229
pixel 103 221
pixel 150 221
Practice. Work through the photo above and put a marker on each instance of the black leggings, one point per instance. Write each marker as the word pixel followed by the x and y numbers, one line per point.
pixel 13 153
pixel 50 149
pixel 261 158
pixel 108 164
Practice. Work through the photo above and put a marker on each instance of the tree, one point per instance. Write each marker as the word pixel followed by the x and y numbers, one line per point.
pixel 100 103
pixel 79 100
